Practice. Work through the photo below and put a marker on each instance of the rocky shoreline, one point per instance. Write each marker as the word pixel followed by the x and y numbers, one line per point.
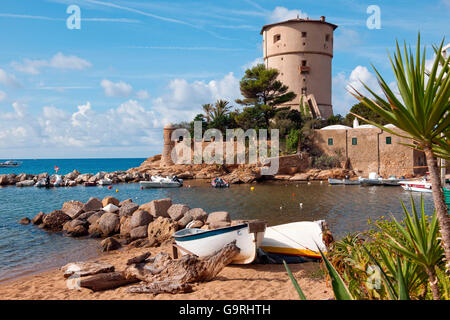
pixel 291 168
pixel 127 223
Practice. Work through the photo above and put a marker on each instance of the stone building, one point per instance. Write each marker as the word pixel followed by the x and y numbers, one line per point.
pixel 302 51
pixel 370 149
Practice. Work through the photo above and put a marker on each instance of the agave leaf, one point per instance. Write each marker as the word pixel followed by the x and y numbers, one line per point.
pixel 294 282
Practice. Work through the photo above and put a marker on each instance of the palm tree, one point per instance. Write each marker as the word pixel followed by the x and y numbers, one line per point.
pixel 207 109
pixel 221 108
pixel 423 115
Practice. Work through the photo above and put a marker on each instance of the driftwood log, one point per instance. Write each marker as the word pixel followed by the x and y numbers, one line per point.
pixel 162 274
pixel 106 281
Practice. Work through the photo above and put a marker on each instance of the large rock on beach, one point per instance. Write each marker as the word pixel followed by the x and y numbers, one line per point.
pixel 110 244
pixel 93 217
pixel 38 219
pixel 55 220
pixel 125 228
pixel 218 219
pixel 198 214
pixel 86 215
pixel 73 208
pixel 108 200
pixel 108 224
pixel 122 203
pixel 138 232
pixel 127 209
pixel 93 204
pixel 161 229
pixel 177 211
pixel 157 208
pixel 8 179
pixel 140 218
pixel 76 228
pixel 183 222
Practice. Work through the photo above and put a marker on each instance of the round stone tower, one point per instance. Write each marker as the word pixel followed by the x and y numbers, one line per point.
pixel 166 158
pixel 302 51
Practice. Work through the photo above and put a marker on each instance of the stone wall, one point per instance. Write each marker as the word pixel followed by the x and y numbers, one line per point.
pixel 372 152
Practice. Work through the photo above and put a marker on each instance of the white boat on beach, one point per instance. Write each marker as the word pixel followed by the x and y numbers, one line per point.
pixel 248 237
pixel 295 239
pixel 375 180
pixel 161 182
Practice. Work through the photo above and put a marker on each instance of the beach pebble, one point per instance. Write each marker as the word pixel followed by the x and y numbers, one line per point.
pixel 218 219
pixel 122 203
pixel 127 209
pixel 198 214
pixel 73 208
pixel 108 224
pixel 55 220
pixel 183 222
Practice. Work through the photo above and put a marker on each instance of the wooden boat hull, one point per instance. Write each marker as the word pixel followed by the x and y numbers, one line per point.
pixel 205 242
pixel 298 239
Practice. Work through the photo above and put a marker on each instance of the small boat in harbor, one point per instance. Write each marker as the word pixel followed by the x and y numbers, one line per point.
pixel 343 181
pixel 417 185
pixel 248 237
pixel 10 164
pixel 219 183
pixel 160 182
pixel 375 180
pixel 89 184
pixel 295 239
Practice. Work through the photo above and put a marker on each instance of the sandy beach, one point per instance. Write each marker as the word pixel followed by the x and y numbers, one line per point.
pixel 235 282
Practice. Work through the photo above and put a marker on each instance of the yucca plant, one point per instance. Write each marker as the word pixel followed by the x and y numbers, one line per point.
pixel 422 245
pixel 421 112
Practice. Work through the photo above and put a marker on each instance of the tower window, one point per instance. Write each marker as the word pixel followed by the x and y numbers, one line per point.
pixel 327 37
pixel 304 34
pixel 276 38
pixel 388 140
pixel 354 141
pixel 330 141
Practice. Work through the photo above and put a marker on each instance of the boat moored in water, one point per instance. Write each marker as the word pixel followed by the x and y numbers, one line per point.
pixel 219 183
pixel 160 182
pixel 416 185
pixel 248 237
pixel 343 181
pixel 10 164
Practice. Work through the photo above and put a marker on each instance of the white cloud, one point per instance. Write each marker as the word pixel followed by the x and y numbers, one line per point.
pixel 342 99
pixel 9 79
pixel 2 95
pixel 142 95
pixel 281 14
pixel 346 40
pixel 253 63
pixel 116 89
pixel 58 61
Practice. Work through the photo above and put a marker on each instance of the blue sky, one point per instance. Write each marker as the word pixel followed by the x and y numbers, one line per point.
pixel 107 89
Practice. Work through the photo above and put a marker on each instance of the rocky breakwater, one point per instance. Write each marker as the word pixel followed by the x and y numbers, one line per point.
pixel 127 223
pixel 295 167
pixel 74 178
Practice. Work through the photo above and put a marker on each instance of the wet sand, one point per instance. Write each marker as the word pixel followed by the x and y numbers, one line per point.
pixel 235 282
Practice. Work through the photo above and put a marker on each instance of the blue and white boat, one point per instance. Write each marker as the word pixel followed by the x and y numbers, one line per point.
pixel 203 243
